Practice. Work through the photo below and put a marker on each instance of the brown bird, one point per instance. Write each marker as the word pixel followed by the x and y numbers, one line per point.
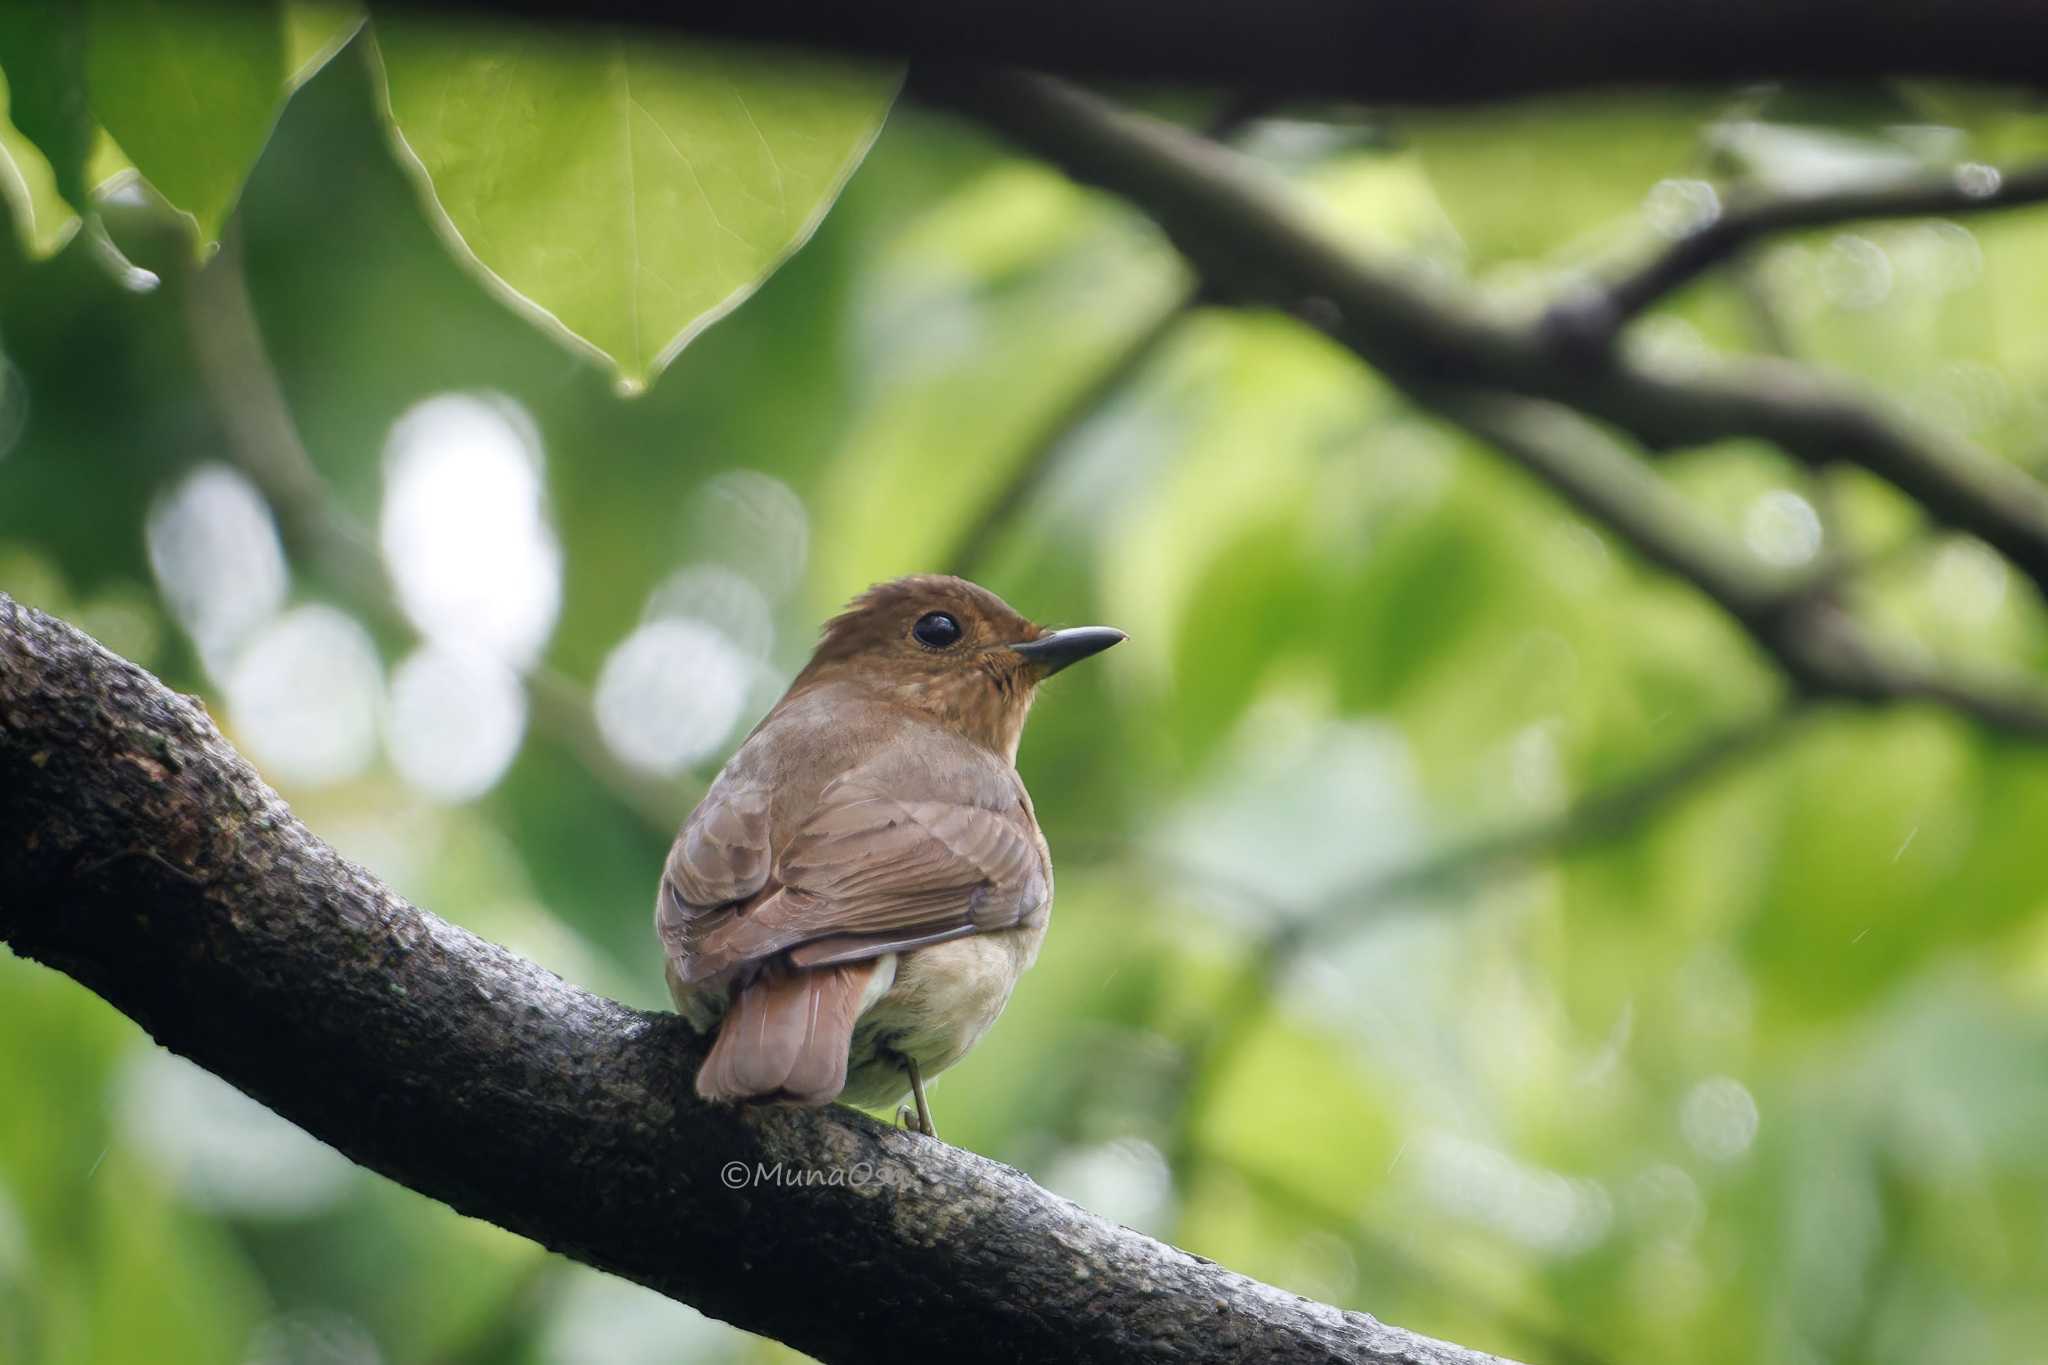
pixel 853 900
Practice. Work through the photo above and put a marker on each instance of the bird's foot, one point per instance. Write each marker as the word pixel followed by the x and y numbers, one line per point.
pixel 918 1120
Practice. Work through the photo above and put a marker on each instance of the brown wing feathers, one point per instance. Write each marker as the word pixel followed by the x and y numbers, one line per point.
pixel 875 874
pixel 722 854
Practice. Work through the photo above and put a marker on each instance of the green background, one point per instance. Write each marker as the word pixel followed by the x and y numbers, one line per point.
pixel 1764 1076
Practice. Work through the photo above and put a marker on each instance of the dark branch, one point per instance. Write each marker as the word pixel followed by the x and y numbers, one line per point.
pixel 142 856
pixel 1447 50
pixel 1600 816
pixel 1255 245
pixel 1035 466
pixel 1798 622
pixel 1602 310
pixel 1821 421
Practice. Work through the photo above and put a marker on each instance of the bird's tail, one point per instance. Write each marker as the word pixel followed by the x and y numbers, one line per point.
pixel 787 1035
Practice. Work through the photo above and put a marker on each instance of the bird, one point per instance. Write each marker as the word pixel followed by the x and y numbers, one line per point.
pixel 851 904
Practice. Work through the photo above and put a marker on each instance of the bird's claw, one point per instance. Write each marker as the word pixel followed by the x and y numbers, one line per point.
pixel 908 1117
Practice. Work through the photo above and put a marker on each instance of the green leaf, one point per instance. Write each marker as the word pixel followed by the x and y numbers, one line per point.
pixel 315 30
pixel 622 193
pixel 42 50
pixel 29 188
pixel 191 94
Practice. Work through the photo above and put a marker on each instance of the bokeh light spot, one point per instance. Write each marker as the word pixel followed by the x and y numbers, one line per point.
pixel 600 1320
pixel 1938 257
pixel 1664 1204
pixel 757 524
pixel 312 1337
pixel 721 598
pixel 213 546
pixel 465 531
pixel 670 694
pixel 1968 581
pixel 1718 1118
pixel 1679 208
pixel 222 1150
pixel 1539 1208
pixel 1855 273
pixel 455 722
pixel 1782 528
pixel 305 697
pixel 1978 180
pixel 1126 1181
pixel 1713 996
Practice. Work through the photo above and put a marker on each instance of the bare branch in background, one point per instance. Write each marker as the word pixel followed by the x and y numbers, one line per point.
pixel 1593 316
pixel 1810 636
pixel 142 856
pixel 1037 463
pixel 1254 244
pixel 264 442
pixel 1034 468
pixel 1609 813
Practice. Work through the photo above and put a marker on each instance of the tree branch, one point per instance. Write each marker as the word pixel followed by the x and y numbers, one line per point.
pixel 1445 51
pixel 1797 621
pixel 1034 468
pixel 1254 243
pixel 1602 310
pixel 1435 339
pixel 142 856
pixel 1598 817
pixel 971 548
pixel 1821 421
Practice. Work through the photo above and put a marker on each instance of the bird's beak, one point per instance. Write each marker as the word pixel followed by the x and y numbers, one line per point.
pixel 1051 653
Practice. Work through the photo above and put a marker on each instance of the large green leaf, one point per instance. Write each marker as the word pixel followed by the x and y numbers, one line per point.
pixel 623 193
pixel 190 93
pixel 314 31
pixel 28 186
pixel 42 50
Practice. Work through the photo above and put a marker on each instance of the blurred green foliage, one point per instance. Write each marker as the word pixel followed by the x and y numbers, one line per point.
pixel 1761 1078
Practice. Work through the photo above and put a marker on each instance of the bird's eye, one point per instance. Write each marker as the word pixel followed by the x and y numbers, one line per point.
pixel 936 630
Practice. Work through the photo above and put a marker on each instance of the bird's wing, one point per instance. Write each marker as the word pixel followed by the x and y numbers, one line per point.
pixel 721 859
pixel 896 854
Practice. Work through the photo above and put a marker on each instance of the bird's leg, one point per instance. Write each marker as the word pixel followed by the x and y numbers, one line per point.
pixel 921 1121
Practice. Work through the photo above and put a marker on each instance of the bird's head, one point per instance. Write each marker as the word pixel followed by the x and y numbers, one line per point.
pixel 950 648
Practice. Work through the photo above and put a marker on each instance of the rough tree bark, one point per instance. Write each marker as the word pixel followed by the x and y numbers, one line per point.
pixel 141 855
